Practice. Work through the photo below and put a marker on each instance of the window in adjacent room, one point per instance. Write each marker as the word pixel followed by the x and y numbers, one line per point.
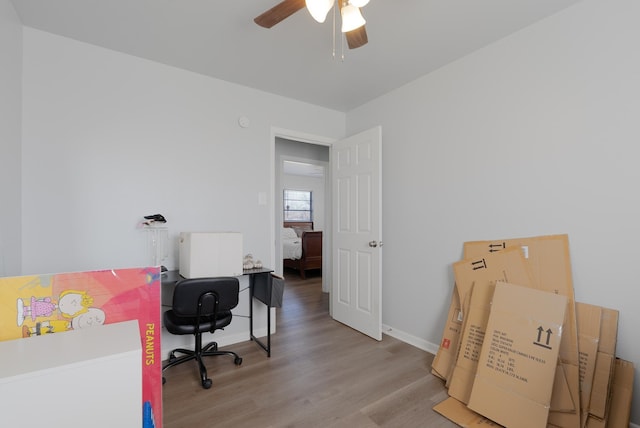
pixel 298 205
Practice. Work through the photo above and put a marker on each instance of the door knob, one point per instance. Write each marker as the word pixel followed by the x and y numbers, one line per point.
pixel 374 244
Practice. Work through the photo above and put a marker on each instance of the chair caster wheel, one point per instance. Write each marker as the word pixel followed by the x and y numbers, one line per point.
pixel 206 384
pixel 164 380
pixel 237 361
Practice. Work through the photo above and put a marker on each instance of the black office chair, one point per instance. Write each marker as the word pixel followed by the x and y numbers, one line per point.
pixel 201 305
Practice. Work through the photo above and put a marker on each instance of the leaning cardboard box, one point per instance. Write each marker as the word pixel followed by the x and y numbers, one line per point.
pixel 517 364
pixel 621 394
pixel 481 275
pixel 602 401
pixel 548 258
pixel 597 337
pixel 589 322
pixel 457 412
pixel 611 395
pixel 446 356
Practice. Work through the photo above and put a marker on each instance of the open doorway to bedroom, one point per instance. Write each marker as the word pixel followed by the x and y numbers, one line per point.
pixel 303 210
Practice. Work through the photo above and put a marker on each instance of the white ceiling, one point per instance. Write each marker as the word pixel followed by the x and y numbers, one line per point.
pixel 407 39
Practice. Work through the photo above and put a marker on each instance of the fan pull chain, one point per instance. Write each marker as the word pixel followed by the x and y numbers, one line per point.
pixel 342 36
pixel 336 8
pixel 334 33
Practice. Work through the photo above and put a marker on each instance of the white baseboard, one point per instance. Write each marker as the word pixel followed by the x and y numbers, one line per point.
pixel 411 340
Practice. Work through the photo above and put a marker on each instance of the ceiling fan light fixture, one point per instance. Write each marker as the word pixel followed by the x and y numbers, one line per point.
pixel 359 3
pixel 319 9
pixel 351 18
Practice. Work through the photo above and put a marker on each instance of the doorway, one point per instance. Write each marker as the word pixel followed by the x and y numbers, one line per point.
pixel 353 275
pixel 303 166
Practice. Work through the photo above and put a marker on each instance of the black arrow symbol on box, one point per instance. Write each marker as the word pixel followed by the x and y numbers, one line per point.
pixel 540 331
pixel 480 264
pixel 492 247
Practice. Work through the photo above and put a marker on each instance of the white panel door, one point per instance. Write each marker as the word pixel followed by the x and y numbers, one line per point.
pixel 357 232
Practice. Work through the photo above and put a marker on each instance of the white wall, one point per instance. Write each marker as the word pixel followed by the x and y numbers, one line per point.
pixel 109 138
pixel 10 135
pixel 534 135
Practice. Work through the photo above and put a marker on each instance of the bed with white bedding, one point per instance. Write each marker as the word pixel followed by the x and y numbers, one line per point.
pixel 291 244
pixel 301 247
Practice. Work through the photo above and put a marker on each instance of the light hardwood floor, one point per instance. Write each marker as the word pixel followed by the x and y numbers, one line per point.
pixel 320 374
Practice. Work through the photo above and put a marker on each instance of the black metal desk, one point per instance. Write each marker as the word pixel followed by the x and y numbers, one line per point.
pixel 260 278
pixel 257 278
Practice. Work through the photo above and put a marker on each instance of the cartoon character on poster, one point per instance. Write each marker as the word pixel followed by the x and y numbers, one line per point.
pixel 73 305
pixel 88 318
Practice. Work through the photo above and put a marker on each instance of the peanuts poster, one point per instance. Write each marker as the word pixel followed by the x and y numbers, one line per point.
pixel 32 306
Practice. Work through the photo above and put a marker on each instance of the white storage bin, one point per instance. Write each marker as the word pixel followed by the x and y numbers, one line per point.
pixel 204 254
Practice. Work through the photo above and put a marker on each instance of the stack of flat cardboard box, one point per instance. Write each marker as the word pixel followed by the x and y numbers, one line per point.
pixel 518 351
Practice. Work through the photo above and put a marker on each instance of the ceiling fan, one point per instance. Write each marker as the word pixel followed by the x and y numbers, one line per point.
pixel 352 20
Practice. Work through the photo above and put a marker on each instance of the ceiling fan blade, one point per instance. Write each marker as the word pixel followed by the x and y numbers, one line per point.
pixel 279 13
pixel 357 38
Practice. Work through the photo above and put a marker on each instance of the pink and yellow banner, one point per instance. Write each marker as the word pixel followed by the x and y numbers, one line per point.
pixel 35 305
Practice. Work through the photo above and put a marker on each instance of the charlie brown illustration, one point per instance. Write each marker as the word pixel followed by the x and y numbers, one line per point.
pixel 70 303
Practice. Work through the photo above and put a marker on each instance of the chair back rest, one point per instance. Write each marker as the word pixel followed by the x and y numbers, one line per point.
pixel 187 295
